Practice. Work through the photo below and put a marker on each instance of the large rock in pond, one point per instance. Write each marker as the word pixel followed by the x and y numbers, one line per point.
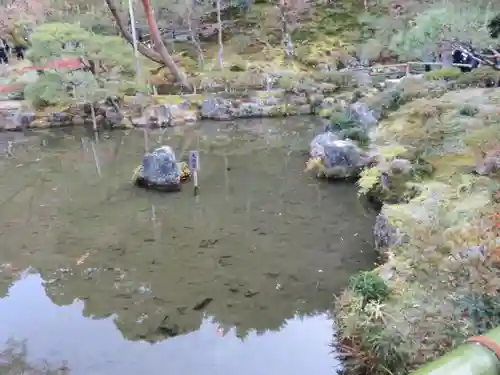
pixel 160 170
pixel 331 157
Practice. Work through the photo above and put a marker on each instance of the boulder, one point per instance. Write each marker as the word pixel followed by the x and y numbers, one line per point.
pixel 181 115
pixel 113 116
pixel 159 169
pixel 362 115
pixel 393 185
pixel 335 158
pixel 490 164
pixel 78 120
pixel 298 110
pixel 399 166
pixel 316 100
pixel 125 123
pixel 273 104
pixel 154 116
pixel 14 116
pixel 140 122
pixel 252 109
pixel 329 105
pixel 39 124
pixel 217 108
pixel 385 235
pixel 298 100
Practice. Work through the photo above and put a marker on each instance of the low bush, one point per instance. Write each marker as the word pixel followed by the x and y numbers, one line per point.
pixel 468 110
pixel 446 74
pixel 341 120
pixel 356 134
pixel 484 76
pixel 369 286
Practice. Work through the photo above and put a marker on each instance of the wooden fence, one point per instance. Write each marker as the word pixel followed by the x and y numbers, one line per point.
pixel 407 68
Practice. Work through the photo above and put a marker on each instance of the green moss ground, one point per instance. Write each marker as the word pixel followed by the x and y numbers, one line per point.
pixel 444 280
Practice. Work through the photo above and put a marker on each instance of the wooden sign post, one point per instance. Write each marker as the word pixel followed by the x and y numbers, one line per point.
pixel 194 165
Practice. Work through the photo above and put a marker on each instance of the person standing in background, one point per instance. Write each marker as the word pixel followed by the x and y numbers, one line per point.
pixel 7 46
pixel 19 51
pixel 495 56
pixel 428 57
pixel 4 54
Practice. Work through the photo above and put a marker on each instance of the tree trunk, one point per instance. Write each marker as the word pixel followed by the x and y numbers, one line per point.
pixel 160 47
pixel 287 40
pixel 145 51
pixel 194 37
pixel 219 34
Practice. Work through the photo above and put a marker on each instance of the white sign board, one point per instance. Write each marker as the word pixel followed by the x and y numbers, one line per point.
pixel 194 160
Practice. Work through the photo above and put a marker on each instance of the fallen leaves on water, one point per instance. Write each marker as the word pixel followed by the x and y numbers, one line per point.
pixel 82 259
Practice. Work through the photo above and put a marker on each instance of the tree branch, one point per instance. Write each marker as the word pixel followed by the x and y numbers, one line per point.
pixel 160 46
pixel 145 51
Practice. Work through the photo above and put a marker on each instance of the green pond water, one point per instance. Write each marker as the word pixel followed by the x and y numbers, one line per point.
pixel 98 277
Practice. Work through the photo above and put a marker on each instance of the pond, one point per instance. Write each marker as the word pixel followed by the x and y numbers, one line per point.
pixel 101 277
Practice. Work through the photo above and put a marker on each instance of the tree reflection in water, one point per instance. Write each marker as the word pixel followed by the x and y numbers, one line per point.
pixel 13 361
pixel 141 315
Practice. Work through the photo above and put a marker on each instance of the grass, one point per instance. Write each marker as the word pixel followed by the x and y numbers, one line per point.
pixel 443 282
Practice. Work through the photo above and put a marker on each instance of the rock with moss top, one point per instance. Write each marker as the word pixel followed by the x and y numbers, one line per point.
pixel 273 103
pixel 332 157
pixel 163 115
pixel 159 169
pixel 385 235
pixel 363 115
pixel 216 108
pixel 490 164
pixel 14 116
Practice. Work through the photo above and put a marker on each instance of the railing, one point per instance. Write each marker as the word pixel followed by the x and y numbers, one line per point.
pixel 478 356
pixel 404 67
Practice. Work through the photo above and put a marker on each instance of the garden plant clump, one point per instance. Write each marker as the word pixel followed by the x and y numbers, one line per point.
pixel 441 279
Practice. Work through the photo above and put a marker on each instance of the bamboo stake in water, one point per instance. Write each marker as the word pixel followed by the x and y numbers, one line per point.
pixel 85 145
pixel 226 175
pixel 96 159
pixel 94 122
pixel 195 176
pixel 195 182
pixel 10 151
pixel 154 223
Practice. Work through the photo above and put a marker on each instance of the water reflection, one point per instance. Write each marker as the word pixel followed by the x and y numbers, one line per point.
pixel 14 361
pixel 264 243
pixel 96 347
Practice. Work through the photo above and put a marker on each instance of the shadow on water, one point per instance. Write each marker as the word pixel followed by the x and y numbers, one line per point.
pixel 258 255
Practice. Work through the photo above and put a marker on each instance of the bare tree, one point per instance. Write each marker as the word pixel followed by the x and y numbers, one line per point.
pixel 191 14
pixel 219 37
pixel 160 46
pixel 192 34
pixel 161 55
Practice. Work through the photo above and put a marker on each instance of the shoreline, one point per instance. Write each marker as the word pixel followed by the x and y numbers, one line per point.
pixel 437 233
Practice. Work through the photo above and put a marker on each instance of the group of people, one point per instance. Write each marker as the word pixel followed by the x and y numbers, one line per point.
pixel 466 58
pixel 6 51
